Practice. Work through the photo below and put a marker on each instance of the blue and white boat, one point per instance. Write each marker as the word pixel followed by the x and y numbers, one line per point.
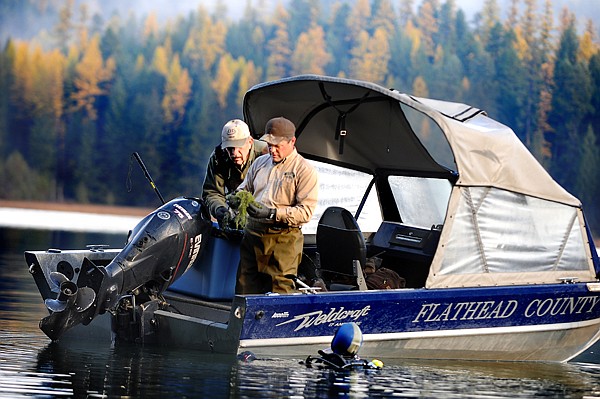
pixel 497 258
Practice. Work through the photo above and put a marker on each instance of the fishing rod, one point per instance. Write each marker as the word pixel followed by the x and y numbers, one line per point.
pixel 145 170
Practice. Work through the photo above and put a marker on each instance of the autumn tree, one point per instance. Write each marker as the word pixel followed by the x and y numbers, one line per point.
pixel 427 23
pixel 178 87
pixel 206 42
pixel 92 76
pixel 371 57
pixel 302 13
pixel 278 61
pixel 224 79
pixel 248 77
pixel 538 145
pixel 310 54
pixel 588 45
pixel 384 17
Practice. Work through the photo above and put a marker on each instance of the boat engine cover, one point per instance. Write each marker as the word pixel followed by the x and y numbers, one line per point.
pixel 163 245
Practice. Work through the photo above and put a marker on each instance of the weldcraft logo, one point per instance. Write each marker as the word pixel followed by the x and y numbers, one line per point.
pixel 335 316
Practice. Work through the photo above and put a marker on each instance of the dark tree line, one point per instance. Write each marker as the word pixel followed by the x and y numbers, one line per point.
pixel 81 97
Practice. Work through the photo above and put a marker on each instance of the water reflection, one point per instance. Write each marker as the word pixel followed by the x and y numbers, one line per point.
pixel 32 366
pixel 137 371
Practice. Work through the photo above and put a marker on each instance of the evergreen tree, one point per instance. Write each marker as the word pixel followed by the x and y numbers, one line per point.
pixel 338 43
pixel 384 17
pixel 406 12
pixel 447 26
pixel 586 180
pixel 509 75
pixel 490 17
pixel 570 104
pixel 6 83
pixel 427 23
pixel 594 116
pixel 302 13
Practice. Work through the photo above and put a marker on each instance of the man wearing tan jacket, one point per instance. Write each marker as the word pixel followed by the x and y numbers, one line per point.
pixel 285 186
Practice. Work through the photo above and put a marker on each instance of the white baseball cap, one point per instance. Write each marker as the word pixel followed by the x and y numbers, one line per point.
pixel 234 134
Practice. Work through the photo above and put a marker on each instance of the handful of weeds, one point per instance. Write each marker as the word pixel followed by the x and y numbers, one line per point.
pixel 239 202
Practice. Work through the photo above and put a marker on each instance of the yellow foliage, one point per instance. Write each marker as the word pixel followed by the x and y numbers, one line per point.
pixel 420 87
pixel 150 26
pixel 587 47
pixel 249 76
pixel 521 45
pixel 310 55
pixel 371 57
pixel 206 42
pixel 357 20
pixel 160 62
pixel 91 73
pixel 23 73
pixel 48 82
pixel 465 84
pixel 223 79
pixel 279 46
pixel 140 63
pixel 414 35
pixel 178 89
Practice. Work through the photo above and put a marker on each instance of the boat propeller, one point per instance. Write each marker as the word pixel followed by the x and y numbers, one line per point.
pixel 69 295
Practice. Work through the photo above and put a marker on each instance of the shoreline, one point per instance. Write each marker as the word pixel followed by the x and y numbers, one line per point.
pixel 77 207
pixel 90 209
pixel 70 217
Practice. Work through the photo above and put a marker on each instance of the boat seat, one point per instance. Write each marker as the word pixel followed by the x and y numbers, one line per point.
pixel 342 250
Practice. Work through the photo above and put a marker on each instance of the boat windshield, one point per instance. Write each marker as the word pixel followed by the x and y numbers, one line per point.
pixel 345 188
pixel 421 201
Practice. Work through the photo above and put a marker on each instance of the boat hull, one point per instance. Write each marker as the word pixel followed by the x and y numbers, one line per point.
pixel 543 323
pixel 552 322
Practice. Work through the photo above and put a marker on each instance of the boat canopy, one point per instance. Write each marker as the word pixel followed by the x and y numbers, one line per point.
pixel 507 220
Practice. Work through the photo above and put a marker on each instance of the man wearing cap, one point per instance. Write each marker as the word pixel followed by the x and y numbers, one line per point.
pixel 285 186
pixel 228 165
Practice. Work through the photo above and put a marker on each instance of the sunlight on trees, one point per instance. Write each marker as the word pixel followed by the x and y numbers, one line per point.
pixel 80 97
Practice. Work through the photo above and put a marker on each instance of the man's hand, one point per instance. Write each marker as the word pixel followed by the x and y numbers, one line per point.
pixel 225 217
pixel 220 213
pixel 260 211
pixel 233 201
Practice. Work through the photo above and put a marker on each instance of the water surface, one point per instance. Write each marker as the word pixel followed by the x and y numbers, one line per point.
pixel 31 366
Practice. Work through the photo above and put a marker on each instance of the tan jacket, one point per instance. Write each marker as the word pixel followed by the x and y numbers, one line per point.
pixel 291 187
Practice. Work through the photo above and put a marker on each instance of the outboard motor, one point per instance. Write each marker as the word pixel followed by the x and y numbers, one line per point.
pixel 159 249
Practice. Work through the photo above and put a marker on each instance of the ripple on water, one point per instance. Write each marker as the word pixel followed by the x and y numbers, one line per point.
pixel 19 371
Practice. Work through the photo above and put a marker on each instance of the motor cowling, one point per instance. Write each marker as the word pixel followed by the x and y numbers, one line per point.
pixel 163 245
pixel 159 249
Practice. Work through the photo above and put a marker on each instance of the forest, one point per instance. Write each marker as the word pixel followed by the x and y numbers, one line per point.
pixel 81 97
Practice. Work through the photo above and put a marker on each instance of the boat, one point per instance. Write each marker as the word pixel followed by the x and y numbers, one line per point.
pixel 496 258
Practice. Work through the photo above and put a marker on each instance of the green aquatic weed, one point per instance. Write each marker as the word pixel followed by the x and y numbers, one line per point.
pixel 239 202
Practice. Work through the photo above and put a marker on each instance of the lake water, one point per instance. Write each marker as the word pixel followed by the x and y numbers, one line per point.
pixel 31 366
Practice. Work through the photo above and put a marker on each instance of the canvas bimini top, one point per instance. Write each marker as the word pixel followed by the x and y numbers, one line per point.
pixel 507 221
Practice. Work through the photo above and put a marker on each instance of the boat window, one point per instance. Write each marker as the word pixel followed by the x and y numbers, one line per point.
pixel 431 136
pixel 498 231
pixel 421 201
pixel 345 188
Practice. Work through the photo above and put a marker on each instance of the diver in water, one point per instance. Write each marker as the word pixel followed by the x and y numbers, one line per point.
pixel 343 354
